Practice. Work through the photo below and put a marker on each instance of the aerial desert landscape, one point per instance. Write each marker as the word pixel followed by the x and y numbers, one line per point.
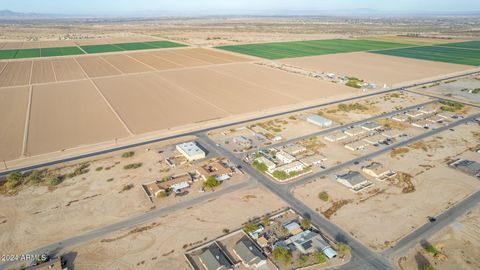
pixel 239 135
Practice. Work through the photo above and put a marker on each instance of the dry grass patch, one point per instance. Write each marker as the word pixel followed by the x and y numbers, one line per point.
pixel 335 207
pixel 389 123
pixel 398 152
pixel 404 181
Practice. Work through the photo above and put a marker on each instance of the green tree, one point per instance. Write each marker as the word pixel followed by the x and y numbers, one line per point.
pixel 342 249
pixel 260 166
pixel 303 260
pixel 161 194
pixel 319 257
pixel 14 180
pixel 34 177
pixel 429 267
pixel 128 154
pixel 250 227
pixel 282 254
pixel 323 196
pixel 281 175
pixel 265 221
pixel 211 182
pixel 306 223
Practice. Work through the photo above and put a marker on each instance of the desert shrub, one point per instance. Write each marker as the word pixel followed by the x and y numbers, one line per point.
pixel 323 196
pixel 211 182
pixel 133 166
pixel 128 154
pixel 282 254
pixel 250 227
pixel 259 166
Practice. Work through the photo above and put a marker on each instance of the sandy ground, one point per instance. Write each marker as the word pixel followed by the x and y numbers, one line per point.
pixel 16 73
pixel 67 69
pixel 13 110
pixel 162 247
pixel 95 66
pixel 237 96
pixel 459 242
pixel 380 69
pixel 153 61
pixel 68 114
pixel 126 64
pixel 372 216
pixel 42 72
pixel 295 86
pixel 179 58
pixel 146 103
pixel 62 210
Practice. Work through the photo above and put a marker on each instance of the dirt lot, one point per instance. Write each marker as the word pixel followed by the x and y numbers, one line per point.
pixel 458 244
pixel 366 214
pixel 13 110
pixel 146 103
pixel 126 64
pixel 95 66
pixel 42 72
pixel 16 73
pixel 50 130
pixel 67 69
pixel 168 238
pixel 379 69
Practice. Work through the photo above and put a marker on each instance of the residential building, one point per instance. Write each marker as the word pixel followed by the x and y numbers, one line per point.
pixel 319 120
pixel 435 119
pixel 270 165
pixel 467 166
pixel 308 242
pixel 249 254
pixel 55 264
pixel 392 133
pixel 354 180
pixel 378 171
pixel 371 126
pixel 294 149
pixel 358 145
pixel 335 136
pixel 414 114
pixel 356 131
pixel 154 188
pixel 262 241
pixel 314 160
pixel 447 115
pixel 214 258
pixel 400 117
pixel 216 169
pixel 375 139
pixel 242 141
pixel 421 124
pixel 179 182
pixel 293 227
pixel 284 157
pixel 296 166
pixel 191 151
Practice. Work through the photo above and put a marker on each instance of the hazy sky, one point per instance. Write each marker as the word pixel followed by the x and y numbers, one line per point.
pixel 215 6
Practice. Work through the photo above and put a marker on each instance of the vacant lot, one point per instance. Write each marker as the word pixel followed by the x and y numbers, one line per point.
pixel 65 115
pixel 454 55
pixel 458 245
pixel 376 68
pixel 13 110
pixel 280 50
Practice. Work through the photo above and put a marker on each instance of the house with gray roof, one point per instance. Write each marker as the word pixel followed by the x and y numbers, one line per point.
pixel 213 258
pixel 309 242
pixel 354 180
pixel 467 166
pixel 249 254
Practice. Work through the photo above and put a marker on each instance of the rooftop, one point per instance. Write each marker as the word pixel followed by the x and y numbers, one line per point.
pixel 317 119
pixel 248 252
pixel 191 148
pixel 214 259
pixel 353 177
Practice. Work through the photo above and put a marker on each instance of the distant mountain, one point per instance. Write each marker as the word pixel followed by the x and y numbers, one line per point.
pixel 8 14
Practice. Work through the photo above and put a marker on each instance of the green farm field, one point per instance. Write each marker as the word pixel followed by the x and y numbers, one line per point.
pixel 475 44
pixel 90 49
pixel 292 49
pixel 444 53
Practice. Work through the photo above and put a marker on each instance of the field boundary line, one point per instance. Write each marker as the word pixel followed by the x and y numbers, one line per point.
pixel 27 121
pixel 108 63
pixel 4 67
pixel 106 100
pixel 193 58
pixel 217 57
pixel 31 73
pixel 161 58
pixel 254 84
pixel 140 62
pixel 191 93
pixel 53 69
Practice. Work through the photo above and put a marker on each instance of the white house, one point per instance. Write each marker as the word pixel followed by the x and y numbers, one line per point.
pixel 284 157
pixel 296 166
pixel 356 131
pixel 190 151
pixel 319 121
pixel 358 145
pixel 335 136
pixel 354 180
pixel 270 165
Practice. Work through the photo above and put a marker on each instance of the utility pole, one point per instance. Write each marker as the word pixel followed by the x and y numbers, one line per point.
pixel 5 164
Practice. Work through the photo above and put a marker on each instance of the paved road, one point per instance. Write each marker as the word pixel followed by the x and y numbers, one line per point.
pixel 132 222
pixel 364 258
pixel 427 230
pixel 120 148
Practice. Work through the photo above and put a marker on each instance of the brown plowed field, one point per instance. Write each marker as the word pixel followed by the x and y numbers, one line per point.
pixel 16 73
pixel 95 66
pixel 200 55
pixel 147 103
pixel 67 69
pixel 179 59
pixel 232 95
pixel 42 72
pixel 284 83
pixel 153 61
pixel 380 69
pixel 225 55
pixel 65 115
pixel 13 110
pixel 125 63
